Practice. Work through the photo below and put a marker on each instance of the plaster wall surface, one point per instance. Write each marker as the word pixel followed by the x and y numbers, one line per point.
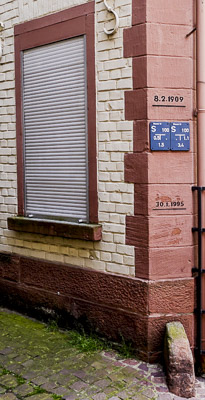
pixel 114 139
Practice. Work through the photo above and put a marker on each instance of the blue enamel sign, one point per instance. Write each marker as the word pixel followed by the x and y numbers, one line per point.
pixel 160 136
pixel 180 136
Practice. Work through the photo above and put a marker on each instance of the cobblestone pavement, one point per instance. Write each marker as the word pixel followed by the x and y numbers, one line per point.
pixel 36 364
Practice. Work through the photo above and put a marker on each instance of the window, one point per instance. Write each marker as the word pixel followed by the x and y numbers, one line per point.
pixel 56 126
pixel 54 122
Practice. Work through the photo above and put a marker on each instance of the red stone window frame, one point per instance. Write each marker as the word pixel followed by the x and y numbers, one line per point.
pixel 73 22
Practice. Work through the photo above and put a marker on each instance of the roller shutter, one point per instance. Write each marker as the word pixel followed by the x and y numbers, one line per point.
pixel 55 148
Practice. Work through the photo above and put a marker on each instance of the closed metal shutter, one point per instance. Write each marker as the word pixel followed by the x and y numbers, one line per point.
pixel 55 148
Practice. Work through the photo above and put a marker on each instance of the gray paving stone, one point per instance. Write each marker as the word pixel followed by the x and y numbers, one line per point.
pixel 49 386
pixel 100 396
pixel 78 386
pixel 23 390
pixel 123 395
pixel 165 396
pixel 61 391
pixel 40 396
pixel 8 381
pixel 39 380
pixel 70 397
pixel 149 393
pixel 103 383
pixel 6 351
pixel 201 391
pixel 60 369
pixel 114 398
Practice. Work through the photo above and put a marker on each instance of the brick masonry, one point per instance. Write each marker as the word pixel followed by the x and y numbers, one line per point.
pixel 145 251
pixel 113 77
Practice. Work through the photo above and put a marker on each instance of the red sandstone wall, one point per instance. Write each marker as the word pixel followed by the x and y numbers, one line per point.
pixel 114 305
pixel 163 65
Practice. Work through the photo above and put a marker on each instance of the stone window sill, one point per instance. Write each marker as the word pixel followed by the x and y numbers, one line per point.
pixel 64 229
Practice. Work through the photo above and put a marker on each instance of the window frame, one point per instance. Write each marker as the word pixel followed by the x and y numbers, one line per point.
pixel 69 23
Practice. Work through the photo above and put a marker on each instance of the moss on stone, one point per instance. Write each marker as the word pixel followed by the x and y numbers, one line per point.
pixel 175 330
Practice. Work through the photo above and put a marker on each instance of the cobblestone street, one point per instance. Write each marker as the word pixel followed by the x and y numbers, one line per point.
pixel 38 364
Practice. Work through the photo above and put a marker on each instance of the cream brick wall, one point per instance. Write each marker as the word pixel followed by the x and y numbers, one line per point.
pixel 114 137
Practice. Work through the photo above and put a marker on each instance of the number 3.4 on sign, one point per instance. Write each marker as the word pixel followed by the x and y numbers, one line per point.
pixel 180 136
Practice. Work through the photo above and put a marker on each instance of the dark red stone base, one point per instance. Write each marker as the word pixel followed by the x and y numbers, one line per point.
pixel 113 305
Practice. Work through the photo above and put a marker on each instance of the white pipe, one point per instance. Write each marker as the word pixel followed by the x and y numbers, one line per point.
pixel 112 31
pixel 1 46
pixel 200 34
pixel 1 49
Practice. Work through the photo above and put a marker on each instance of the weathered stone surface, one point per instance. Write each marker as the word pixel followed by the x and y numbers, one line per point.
pixel 179 361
